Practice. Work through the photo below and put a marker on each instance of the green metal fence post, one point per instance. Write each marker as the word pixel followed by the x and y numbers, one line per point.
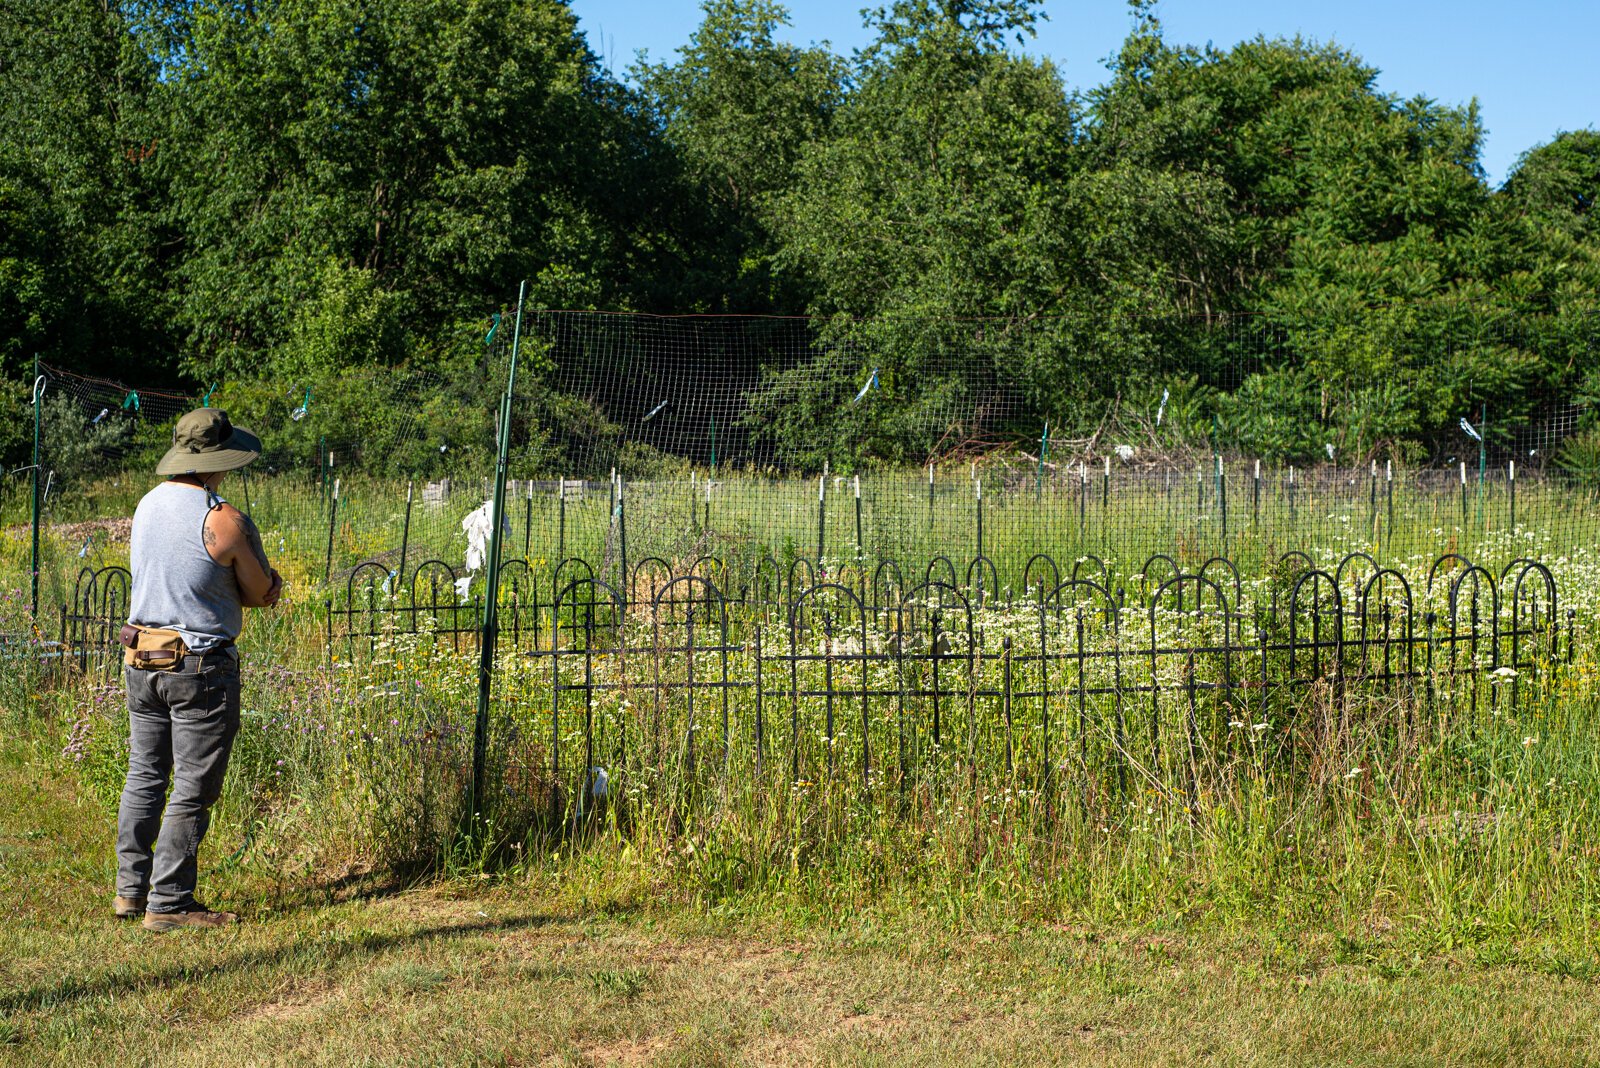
pixel 38 396
pixel 1483 445
pixel 491 612
pixel 405 541
pixel 1044 448
pixel 333 519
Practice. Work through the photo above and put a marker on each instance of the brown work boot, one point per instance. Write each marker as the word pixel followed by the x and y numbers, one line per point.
pixel 196 915
pixel 128 908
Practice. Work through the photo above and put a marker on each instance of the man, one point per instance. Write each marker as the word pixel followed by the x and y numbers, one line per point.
pixel 197 562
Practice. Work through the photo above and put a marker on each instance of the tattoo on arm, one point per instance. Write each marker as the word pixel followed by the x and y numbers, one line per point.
pixel 210 536
pixel 253 537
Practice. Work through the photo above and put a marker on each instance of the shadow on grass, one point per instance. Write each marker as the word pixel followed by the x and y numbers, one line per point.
pixel 365 885
pixel 127 979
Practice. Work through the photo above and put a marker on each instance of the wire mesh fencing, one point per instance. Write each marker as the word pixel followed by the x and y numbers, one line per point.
pixel 827 551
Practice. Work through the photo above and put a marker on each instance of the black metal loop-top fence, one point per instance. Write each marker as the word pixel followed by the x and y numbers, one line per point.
pixel 888 678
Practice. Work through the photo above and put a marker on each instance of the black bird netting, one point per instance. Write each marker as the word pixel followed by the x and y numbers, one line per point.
pixel 847 443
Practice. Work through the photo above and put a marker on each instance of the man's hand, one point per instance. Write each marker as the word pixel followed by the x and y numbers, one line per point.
pixel 271 599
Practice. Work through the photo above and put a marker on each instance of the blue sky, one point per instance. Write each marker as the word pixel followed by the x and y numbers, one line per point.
pixel 1534 65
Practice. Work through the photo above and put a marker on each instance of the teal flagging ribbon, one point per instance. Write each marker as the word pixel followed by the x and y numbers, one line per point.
pixel 131 400
pixel 489 337
pixel 205 402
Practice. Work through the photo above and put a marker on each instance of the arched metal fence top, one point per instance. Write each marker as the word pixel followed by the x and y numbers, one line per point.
pixel 574 563
pixel 1441 562
pixel 1111 610
pixel 1201 583
pixel 917 599
pixel 766 578
pixel 1099 564
pixel 1531 567
pixel 1041 560
pixel 652 567
pixel 96 589
pixel 1376 580
pixel 1350 561
pixel 1295 556
pixel 983 577
pixel 709 596
pixel 367 574
pixel 1233 573
pixel 566 597
pixel 815 593
pixel 794 566
pixel 1173 570
pixel 880 586
pixel 709 565
pixel 1525 562
pixel 511 568
pixel 1316 578
pixel 936 563
pixel 434 569
pixel 1480 577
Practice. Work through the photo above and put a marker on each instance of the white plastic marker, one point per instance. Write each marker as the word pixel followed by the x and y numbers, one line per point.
pixel 979 484
pixel 1108 465
pixel 930 474
pixel 1471 433
pixel 1463 470
pixel 1258 469
pixel 103 413
pixel 872 380
pixel 1328 448
pixel 1162 410
pixel 654 412
pixel 822 480
pixel 858 487
pixel 1513 470
pixel 1374 468
pixel 1388 470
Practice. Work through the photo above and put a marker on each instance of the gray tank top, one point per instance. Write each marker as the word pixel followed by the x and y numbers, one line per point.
pixel 176 584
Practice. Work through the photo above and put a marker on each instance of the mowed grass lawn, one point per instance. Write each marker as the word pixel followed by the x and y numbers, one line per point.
pixel 512 971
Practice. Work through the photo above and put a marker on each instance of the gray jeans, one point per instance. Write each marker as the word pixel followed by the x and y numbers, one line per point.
pixel 182 726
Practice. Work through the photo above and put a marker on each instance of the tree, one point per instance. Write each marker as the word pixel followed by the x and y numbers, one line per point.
pixel 438 150
pixel 82 260
pixel 739 108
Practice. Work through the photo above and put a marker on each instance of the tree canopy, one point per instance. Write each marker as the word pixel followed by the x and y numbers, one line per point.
pixel 286 189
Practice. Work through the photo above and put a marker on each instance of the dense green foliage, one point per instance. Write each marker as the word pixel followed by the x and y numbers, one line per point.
pixel 285 190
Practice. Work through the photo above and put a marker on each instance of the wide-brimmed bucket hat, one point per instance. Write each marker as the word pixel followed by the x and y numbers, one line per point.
pixel 205 441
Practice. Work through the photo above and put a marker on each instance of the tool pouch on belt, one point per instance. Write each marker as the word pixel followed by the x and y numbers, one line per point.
pixel 152 648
